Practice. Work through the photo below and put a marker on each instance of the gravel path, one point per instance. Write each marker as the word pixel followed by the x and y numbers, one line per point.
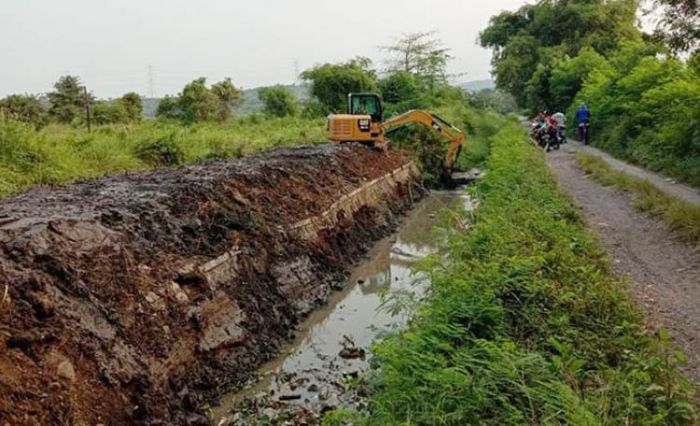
pixel 664 271
pixel 684 192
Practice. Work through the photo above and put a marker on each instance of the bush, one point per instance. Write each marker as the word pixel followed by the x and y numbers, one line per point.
pixel 162 152
pixel 278 101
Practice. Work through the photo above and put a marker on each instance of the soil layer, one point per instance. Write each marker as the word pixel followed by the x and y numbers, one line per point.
pixel 137 298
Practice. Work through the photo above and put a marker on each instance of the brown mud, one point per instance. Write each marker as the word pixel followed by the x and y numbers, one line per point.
pixel 138 298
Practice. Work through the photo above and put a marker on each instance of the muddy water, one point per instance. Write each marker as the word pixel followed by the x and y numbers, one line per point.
pixel 311 372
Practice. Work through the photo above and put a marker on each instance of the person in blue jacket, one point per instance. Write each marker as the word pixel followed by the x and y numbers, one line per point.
pixel 583 116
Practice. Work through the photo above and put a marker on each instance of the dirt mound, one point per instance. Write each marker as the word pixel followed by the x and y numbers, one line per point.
pixel 140 297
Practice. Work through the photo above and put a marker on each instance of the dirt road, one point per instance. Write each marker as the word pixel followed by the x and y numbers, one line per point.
pixel 664 271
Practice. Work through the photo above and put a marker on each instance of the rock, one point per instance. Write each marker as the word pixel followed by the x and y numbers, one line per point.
pixel 179 293
pixel 312 388
pixel 66 371
pixel 151 297
pixel 270 413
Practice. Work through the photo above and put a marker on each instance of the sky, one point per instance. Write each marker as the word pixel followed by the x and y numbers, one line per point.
pixel 157 46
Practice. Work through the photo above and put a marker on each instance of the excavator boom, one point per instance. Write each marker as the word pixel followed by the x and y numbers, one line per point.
pixel 446 130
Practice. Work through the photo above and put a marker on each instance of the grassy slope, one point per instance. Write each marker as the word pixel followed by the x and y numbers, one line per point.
pixel 680 215
pixel 59 154
pixel 525 322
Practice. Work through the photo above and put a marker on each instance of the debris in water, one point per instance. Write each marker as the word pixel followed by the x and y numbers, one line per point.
pixel 350 351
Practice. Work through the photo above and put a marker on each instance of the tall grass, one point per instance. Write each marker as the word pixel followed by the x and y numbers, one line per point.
pixel 58 154
pixel 525 322
pixel 680 215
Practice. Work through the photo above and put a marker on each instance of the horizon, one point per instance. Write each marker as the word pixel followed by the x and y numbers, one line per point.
pixel 118 48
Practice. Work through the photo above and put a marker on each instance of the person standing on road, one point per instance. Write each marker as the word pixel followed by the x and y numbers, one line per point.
pixel 560 119
pixel 583 116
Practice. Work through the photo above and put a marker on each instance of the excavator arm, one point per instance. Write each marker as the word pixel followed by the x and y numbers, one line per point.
pixel 448 131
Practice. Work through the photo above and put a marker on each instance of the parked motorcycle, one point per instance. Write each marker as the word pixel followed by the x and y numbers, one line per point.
pixel 547 137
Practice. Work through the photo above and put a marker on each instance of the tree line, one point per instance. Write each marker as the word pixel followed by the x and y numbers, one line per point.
pixel 413 75
pixel 643 89
pixel 71 103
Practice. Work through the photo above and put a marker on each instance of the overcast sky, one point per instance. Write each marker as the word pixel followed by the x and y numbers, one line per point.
pixel 110 45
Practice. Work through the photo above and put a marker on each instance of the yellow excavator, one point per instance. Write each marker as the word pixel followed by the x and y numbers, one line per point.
pixel 364 123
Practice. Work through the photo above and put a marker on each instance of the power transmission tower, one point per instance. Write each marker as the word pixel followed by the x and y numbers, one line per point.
pixel 151 85
pixel 296 71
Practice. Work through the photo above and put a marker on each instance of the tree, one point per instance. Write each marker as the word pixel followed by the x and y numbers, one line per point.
pixel 133 107
pixel 278 101
pixel 331 83
pixel 197 102
pixel 67 101
pixel 567 77
pixel 228 96
pixel 536 34
pixel 169 107
pixel 422 55
pixel 26 108
pixel 398 87
pixel 680 25
pixel 106 112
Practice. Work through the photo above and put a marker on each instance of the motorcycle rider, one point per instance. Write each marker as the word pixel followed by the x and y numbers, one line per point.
pixel 583 116
pixel 560 120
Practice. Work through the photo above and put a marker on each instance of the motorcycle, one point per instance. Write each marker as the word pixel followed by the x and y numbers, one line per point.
pixel 561 131
pixel 546 137
pixel 583 136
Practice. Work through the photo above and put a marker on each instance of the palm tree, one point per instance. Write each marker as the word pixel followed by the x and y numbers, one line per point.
pixel 228 96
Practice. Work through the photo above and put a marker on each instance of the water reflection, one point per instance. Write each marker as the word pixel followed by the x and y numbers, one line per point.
pixel 311 363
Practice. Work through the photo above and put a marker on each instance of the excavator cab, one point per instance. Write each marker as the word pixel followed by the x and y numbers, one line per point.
pixel 361 123
pixel 365 104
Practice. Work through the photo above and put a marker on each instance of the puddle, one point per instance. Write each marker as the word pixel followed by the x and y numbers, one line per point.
pixel 310 374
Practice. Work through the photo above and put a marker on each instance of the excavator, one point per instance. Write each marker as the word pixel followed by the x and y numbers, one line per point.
pixel 364 123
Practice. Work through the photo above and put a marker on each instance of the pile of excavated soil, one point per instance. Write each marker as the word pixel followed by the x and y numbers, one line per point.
pixel 138 298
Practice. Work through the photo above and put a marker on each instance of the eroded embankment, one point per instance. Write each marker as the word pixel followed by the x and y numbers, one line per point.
pixel 137 297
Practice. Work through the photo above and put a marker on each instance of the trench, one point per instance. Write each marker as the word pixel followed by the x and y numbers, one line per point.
pixel 310 375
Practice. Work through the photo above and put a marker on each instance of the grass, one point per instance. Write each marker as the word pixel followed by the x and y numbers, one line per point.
pixel 59 154
pixel 680 215
pixel 524 322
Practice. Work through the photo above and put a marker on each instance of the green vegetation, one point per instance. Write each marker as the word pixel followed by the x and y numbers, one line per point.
pixel 25 108
pixel 493 99
pixel 524 322
pixel 678 214
pixel 127 109
pixel 58 154
pixel 278 101
pixel 680 25
pixel 647 109
pixel 331 83
pixel 644 101
pixel 197 102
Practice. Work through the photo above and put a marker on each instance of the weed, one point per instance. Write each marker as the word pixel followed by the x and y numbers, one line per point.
pixel 680 215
